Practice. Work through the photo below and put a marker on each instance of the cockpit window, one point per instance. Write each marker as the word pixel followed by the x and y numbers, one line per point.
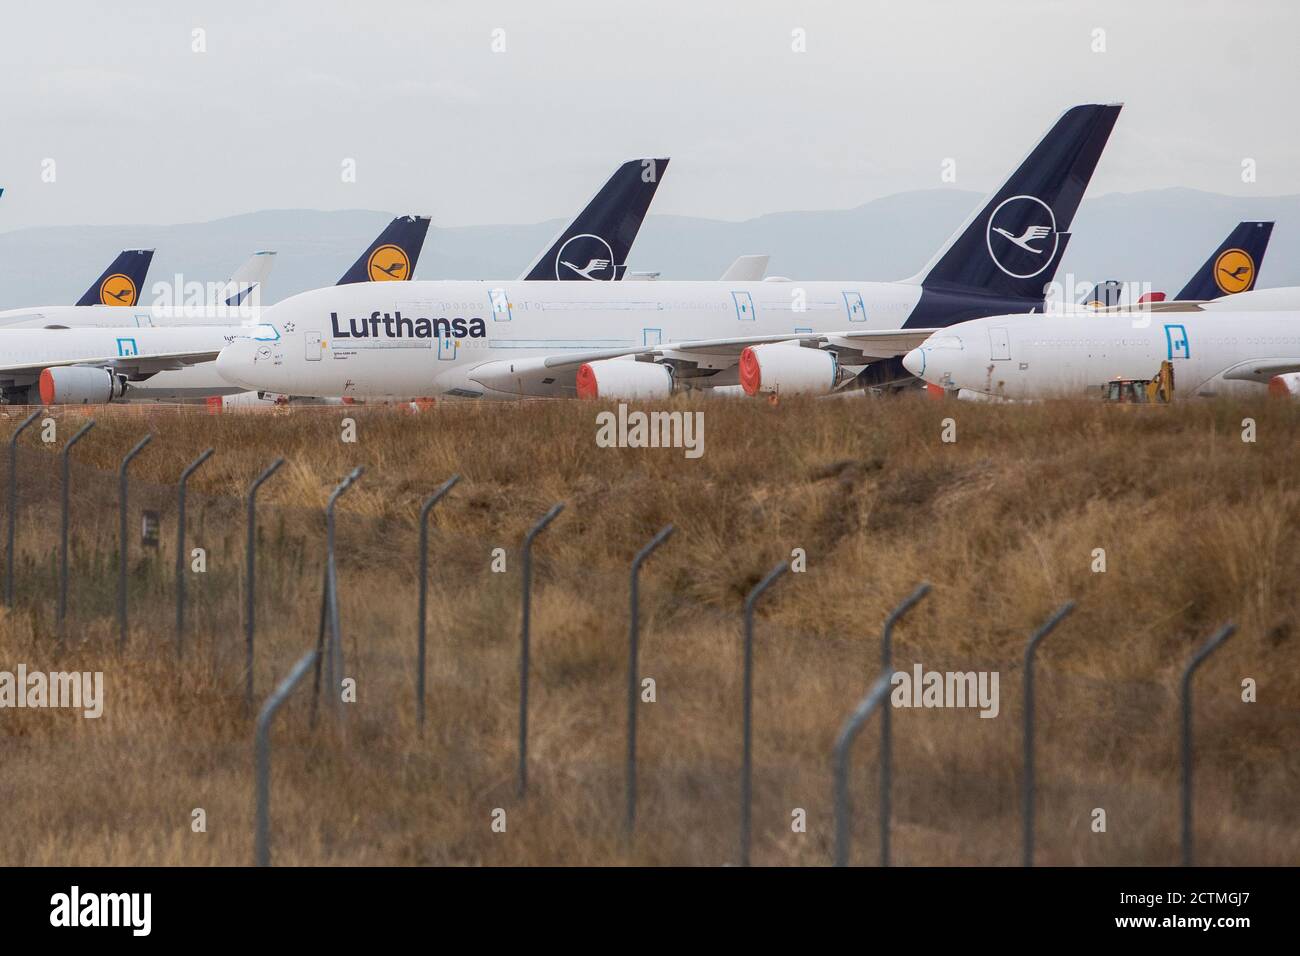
pixel 938 342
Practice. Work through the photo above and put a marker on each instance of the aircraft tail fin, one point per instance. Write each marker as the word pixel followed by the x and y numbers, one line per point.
pixel 122 282
pixel 597 243
pixel 746 269
pixel 1234 266
pixel 393 255
pixel 1105 295
pixel 247 282
pixel 1009 246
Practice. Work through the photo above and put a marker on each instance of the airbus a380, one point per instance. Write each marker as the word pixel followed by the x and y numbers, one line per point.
pixel 1226 344
pixel 80 368
pixel 94 365
pixel 504 340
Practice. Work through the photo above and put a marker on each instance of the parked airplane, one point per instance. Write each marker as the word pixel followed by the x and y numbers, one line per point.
pixel 393 253
pixel 88 355
pixel 91 366
pixel 645 339
pixel 1234 267
pixel 595 246
pixel 1211 347
pixel 249 280
pixel 1231 268
pixel 617 211
pixel 119 284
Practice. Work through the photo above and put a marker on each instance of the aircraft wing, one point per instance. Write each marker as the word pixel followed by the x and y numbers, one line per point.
pixel 133 367
pixel 698 358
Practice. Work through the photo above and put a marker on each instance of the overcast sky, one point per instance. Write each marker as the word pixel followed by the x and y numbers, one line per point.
pixel 144 130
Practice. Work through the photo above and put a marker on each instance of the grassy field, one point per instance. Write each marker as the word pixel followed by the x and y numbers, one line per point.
pixel 1198 528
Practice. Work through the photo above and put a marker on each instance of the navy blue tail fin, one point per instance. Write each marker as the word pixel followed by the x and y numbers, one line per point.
pixel 1234 266
pixel 122 282
pixel 1107 294
pixel 392 256
pixel 1008 247
pixel 597 243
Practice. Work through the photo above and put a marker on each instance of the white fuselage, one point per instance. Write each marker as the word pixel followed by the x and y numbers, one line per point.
pixel 1018 356
pixel 35 347
pixel 196 381
pixel 329 346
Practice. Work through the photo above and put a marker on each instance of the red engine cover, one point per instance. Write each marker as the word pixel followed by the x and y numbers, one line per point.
pixel 751 373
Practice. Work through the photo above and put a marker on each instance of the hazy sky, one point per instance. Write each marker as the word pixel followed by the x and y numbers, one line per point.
pixel 144 130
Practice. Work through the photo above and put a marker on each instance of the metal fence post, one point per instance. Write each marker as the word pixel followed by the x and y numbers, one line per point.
pixel 63 546
pixel 250 587
pixel 425 508
pixel 262 759
pixel 634 642
pixel 848 733
pixel 1197 660
pixel 180 548
pixel 886 728
pixel 13 502
pixel 336 630
pixel 122 547
pixel 746 763
pixel 524 636
pixel 329 607
pixel 1027 796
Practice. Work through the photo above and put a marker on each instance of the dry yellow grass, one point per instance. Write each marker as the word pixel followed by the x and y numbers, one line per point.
pixel 1198 528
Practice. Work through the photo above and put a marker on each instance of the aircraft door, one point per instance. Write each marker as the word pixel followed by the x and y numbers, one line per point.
pixel 1176 342
pixel 999 344
pixel 744 306
pixel 501 310
pixel 854 306
pixel 312 345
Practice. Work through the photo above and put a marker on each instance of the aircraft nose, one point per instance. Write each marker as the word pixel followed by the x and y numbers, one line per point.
pixel 235 363
pixel 914 362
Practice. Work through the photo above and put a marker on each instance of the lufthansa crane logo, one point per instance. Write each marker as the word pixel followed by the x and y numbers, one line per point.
pixel 388 264
pixel 1021 236
pixel 1234 271
pixel 117 289
pixel 586 257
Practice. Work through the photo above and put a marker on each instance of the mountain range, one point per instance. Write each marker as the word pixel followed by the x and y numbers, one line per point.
pixel 1157 236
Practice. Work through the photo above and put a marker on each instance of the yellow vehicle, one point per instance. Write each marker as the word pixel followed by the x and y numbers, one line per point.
pixel 1142 391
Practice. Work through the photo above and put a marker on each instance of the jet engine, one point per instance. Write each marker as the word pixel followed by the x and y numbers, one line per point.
pixel 79 385
pixel 788 369
pixel 615 378
pixel 1285 386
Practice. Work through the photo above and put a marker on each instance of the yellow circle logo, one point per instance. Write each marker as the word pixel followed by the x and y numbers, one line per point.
pixel 388 264
pixel 1234 271
pixel 117 289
